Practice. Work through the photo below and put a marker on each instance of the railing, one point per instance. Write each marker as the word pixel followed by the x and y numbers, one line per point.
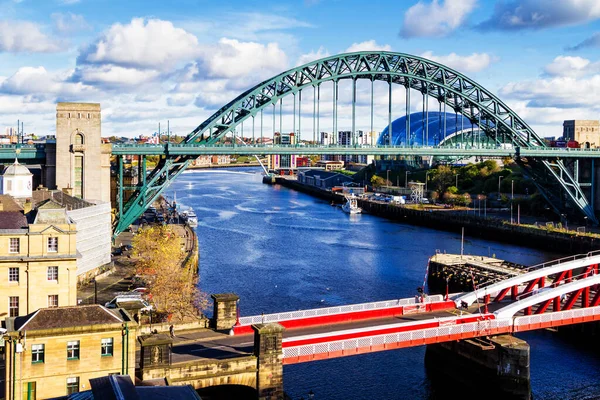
pixel 480 328
pixel 557 316
pixel 319 312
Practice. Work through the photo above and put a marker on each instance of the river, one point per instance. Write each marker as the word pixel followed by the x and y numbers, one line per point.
pixel 281 250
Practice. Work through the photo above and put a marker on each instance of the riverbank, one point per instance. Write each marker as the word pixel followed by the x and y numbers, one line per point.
pixel 216 166
pixel 568 242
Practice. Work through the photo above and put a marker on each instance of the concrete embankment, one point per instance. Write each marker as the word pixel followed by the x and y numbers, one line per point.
pixel 487 228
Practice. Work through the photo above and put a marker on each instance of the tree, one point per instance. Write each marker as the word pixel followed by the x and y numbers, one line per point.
pixel 377 181
pixel 443 176
pixel 158 254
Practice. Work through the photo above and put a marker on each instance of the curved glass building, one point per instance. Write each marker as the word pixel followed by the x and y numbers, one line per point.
pixel 427 129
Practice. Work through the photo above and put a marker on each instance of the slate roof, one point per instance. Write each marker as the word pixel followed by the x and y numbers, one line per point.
pixel 64 317
pixel 57 196
pixel 12 220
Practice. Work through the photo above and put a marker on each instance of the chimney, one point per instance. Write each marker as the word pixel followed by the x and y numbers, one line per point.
pixel 27 206
pixel 68 191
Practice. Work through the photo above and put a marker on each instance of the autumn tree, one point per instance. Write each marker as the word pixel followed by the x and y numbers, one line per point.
pixel 159 254
pixel 377 181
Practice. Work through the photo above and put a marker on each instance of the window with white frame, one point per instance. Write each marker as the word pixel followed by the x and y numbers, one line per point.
pixel 52 300
pixel 13 274
pixel 37 353
pixel 73 350
pixel 52 244
pixel 53 273
pixel 14 245
pixel 13 306
pixel 107 347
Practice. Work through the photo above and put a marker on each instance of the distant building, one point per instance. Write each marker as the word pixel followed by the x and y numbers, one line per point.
pixel 283 161
pixel 221 159
pixel 323 179
pixel 202 161
pixel 585 132
pixel 57 351
pixel 329 165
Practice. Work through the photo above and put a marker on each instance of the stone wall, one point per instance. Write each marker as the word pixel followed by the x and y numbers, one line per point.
pixel 204 373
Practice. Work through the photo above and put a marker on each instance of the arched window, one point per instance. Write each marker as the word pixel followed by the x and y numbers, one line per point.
pixel 78 138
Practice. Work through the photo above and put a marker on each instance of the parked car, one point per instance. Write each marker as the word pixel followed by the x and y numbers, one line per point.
pixel 117 252
pixel 130 302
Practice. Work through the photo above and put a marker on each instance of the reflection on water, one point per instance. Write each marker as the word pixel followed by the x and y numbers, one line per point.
pixel 283 250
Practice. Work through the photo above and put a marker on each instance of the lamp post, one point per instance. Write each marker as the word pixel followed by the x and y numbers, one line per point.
pixel 499 179
pixel 512 194
pixel 456 184
pixel 406 179
pixel 426 178
pixel 388 178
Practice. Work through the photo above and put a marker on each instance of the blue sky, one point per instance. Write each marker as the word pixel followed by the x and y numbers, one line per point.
pixel 150 61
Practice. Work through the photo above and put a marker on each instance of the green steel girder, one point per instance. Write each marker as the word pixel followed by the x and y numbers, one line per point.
pixel 446 85
pixel 436 80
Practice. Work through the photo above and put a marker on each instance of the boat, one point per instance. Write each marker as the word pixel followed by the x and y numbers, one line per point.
pixel 351 206
pixel 190 217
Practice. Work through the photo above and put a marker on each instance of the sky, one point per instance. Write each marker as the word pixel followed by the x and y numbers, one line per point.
pixel 149 62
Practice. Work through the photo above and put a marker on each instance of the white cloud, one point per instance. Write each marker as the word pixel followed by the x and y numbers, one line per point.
pixel 369 45
pixel 472 63
pixel 435 19
pixel 38 81
pixel 322 52
pixel 231 58
pixel 571 66
pixel 180 99
pixel 154 44
pixel 540 14
pixel 114 76
pixel 25 37
pixel 69 23
pixel 569 83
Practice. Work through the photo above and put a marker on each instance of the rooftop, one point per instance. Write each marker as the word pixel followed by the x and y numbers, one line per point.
pixel 64 317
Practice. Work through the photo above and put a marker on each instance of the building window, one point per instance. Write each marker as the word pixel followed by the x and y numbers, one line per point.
pixel 68 115
pixel 29 390
pixel 13 274
pixel 79 138
pixel 52 273
pixel 37 353
pixel 13 306
pixel 107 347
pixel 72 385
pixel 8 185
pixel 79 173
pixel 79 115
pixel 52 244
pixel 89 115
pixel 52 300
pixel 14 245
pixel 73 350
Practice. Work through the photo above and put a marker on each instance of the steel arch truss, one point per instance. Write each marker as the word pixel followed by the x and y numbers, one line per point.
pixel 448 86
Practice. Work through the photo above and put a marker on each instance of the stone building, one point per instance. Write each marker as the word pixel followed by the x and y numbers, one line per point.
pixel 586 132
pixel 38 254
pixel 94 232
pixel 54 352
pixel 82 161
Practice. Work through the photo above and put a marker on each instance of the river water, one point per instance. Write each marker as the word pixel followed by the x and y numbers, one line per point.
pixel 281 250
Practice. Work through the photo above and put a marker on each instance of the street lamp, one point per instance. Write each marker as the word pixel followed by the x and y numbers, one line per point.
pixel 426 177
pixel 456 176
pixel 512 194
pixel 499 179
pixel 406 179
pixel 387 181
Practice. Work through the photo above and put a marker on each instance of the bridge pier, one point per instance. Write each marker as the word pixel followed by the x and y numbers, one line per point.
pixel 225 310
pixel 500 364
pixel 269 352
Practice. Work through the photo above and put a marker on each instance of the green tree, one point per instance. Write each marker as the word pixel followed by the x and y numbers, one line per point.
pixel 377 181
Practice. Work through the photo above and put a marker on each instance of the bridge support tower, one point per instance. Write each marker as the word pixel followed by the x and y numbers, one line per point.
pixel 225 310
pixel 269 352
pixel 500 364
